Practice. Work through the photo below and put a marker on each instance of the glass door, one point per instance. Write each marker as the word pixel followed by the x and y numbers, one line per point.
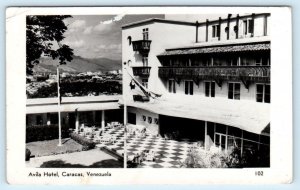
pixel 220 141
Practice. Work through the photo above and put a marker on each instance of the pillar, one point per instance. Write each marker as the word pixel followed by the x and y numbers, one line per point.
pixel 237 26
pixel 207 21
pixel 197 25
pixel 228 26
pixel 206 144
pixel 219 28
pixel 76 121
pixel 253 18
pixel 94 117
pixel 48 119
pixel 102 120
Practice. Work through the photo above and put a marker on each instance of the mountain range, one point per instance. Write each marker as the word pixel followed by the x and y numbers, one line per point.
pixel 78 65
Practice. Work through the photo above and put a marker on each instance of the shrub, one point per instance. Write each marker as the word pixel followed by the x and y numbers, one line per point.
pixel 27 154
pixel 250 158
pixel 86 143
pixel 204 159
pixel 44 132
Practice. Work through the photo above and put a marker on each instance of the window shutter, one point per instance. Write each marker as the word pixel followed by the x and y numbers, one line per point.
pixel 218 31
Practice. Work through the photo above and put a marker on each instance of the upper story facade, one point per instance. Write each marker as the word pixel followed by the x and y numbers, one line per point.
pixel 228 57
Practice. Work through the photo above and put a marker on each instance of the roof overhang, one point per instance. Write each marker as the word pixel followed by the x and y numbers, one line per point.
pixel 227 48
pixel 70 104
pixel 246 115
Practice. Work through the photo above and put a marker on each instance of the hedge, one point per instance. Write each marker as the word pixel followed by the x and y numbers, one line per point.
pixel 86 143
pixel 45 132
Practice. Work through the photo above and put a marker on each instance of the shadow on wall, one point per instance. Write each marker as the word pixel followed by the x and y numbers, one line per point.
pixel 110 163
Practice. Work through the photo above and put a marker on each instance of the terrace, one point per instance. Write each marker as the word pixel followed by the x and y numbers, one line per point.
pixel 141 71
pixel 247 73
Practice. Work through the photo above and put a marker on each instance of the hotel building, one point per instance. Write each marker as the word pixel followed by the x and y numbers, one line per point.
pixel 213 78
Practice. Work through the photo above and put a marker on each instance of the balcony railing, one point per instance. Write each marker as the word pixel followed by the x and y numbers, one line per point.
pixel 141 71
pixel 250 73
pixel 142 46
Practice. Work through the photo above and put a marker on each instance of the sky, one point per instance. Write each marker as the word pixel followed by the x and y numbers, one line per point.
pixel 99 36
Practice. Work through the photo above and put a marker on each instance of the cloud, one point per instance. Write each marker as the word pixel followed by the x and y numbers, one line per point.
pixel 116 18
pixel 76 25
pixel 76 44
pixel 88 30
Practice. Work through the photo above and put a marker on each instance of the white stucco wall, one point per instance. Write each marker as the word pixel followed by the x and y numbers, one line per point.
pixel 163 36
pixel 152 127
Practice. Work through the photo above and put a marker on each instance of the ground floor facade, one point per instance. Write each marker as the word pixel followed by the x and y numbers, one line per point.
pixel 209 134
pixel 75 119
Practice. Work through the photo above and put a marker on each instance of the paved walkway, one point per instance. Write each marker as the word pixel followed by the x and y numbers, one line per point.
pixel 94 158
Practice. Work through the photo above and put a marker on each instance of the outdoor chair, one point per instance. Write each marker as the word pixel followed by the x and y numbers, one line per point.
pixel 150 156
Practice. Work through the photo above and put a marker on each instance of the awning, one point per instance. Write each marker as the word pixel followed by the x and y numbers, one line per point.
pixel 246 115
pixel 218 49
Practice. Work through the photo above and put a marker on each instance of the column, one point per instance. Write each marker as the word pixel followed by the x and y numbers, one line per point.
pixel 228 26
pixel 48 119
pixel 207 21
pixel 102 120
pixel 197 25
pixel 76 121
pixel 205 137
pixel 219 29
pixel 237 26
pixel 94 117
pixel 253 18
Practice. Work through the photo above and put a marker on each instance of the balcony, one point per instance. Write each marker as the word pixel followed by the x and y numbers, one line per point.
pixel 246 73
pixel 141 71
pixel 142 46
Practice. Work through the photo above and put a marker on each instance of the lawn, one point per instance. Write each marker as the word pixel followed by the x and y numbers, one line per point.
pixel 49 147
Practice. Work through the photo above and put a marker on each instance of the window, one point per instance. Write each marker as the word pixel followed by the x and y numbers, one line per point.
pixel 145 61
pixel 248 26
pixel 145 83
pixel 172 88
pixel 156 121
pixel 149 120
pixel 258 61
pixel 145 34
pixel 189 87
pixel 215 31
pixel 234 91
pixel 210 89
pixel 263 93
pixel 144 118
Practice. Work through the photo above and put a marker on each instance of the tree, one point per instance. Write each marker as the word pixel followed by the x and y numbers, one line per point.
pixel 41 33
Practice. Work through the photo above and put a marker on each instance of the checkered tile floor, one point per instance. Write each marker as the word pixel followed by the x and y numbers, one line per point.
pixel 168 152
pixel 118 146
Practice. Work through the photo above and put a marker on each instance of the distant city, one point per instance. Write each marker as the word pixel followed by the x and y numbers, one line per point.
pixel 44 84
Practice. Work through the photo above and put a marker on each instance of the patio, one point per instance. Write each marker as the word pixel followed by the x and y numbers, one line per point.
pixel 111 138
pixel 148 151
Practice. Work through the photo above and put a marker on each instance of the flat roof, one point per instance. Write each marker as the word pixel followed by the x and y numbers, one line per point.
pixel 152 20
pixel 70 104
pixel 244 114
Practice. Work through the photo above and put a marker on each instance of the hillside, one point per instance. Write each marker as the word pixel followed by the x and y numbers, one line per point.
pixel 78 64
